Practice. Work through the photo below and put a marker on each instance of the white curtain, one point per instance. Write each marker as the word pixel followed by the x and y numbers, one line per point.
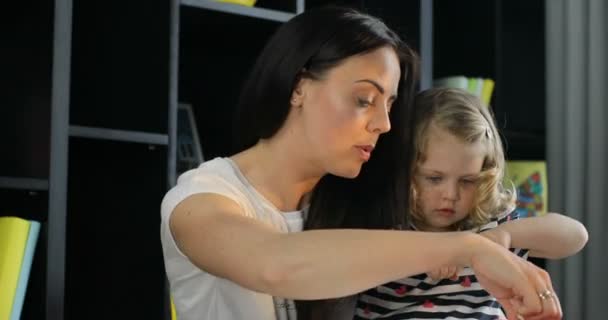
pixel 577 147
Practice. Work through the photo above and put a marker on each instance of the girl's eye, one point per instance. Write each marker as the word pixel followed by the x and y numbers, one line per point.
pixel 433 179
pixel 469 181
pixel 363 102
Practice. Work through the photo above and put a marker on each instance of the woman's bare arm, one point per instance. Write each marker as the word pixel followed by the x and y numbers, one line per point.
pixel 212 231
pixel 316 264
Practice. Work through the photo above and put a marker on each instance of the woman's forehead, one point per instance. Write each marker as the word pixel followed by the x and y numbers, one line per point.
pixel 380 66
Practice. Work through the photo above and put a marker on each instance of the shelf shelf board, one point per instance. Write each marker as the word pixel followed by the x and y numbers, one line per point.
pixel 23 183
pixel 118 135
pixel 261 13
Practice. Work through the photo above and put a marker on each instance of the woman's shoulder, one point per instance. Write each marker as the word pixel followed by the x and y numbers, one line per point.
pixel 216 176
pixel 218 173
pixel 216 167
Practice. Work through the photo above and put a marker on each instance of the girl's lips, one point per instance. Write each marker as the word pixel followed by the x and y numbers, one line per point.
pixel 446 212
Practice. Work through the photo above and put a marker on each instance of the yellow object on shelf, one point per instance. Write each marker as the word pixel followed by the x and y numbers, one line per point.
pixel 173 312
pixel 248 3
pixel 13 239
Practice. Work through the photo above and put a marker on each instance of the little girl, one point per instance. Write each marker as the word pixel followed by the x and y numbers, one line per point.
pixel 457 185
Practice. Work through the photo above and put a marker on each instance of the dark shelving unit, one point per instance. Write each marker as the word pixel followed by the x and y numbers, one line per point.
pixel 87 95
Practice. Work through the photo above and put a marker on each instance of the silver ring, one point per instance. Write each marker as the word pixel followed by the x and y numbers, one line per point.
pixel 547 294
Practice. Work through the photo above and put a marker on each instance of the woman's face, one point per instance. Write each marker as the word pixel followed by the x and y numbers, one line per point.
pixel 446 181
pixel 345 112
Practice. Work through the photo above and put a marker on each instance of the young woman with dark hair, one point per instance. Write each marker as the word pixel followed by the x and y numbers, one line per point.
pixel 323 125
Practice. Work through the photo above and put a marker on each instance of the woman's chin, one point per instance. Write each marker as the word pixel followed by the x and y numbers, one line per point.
pixel 349 172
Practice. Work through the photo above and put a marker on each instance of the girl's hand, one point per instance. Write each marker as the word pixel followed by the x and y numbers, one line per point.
pixel 448 272
pixel 497 235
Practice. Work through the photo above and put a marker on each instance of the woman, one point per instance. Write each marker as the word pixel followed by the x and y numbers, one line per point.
pixel 324 114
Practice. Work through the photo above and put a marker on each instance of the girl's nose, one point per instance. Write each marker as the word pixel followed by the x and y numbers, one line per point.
pixel 451 192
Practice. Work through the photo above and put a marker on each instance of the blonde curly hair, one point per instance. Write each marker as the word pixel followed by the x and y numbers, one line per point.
pixel 463 115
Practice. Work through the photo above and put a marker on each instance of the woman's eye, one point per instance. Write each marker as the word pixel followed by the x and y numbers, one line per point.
pixel 363 102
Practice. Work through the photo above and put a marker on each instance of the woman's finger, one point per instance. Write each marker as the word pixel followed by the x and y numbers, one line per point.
pixel 528 290
pixel 550 307
pixel 555 298
pixel 509 307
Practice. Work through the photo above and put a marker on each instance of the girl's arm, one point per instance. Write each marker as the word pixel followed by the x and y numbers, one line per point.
pixel 214 234
pixel 552 236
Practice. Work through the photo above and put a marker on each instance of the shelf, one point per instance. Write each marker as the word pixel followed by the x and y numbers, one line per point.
pixel 24 203
pixel 112 243
pixel 23 183
pixel 261 13
pixel 211 77
pixel 25 98
pixel 522 145
pixel 119 135
pixel 120 64
pixel 465 38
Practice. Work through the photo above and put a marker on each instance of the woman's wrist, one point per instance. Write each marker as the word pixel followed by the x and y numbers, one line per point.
pixel 498 235
pixel 468 244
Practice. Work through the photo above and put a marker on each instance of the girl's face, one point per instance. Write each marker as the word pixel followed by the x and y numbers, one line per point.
pixel 446 181
pixel 344 112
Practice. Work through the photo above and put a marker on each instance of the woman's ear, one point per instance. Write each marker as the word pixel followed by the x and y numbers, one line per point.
pixel 299 91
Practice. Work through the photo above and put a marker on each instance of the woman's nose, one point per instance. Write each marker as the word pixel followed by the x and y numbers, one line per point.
pixel 380 123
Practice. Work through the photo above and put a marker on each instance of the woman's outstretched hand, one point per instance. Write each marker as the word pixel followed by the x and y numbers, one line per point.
pixel 523 289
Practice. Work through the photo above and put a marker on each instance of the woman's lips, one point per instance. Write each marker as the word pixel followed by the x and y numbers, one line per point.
pixel 365 152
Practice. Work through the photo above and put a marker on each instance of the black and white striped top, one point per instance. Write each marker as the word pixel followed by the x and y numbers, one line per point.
pixel 420 297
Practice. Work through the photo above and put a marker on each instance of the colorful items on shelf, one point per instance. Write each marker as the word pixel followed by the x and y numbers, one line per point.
pixel 530 181
pixel 480 87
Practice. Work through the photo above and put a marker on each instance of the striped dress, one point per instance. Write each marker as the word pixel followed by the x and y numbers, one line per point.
pixel 420 297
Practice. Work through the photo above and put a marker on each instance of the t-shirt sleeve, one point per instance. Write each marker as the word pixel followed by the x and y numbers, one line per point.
pixel 193 182
pixel 500 219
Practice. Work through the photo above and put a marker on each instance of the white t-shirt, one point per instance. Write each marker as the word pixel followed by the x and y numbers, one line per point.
pixel 198 294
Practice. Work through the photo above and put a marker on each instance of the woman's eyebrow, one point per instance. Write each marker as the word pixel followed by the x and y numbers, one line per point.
pixel 377 85
pixel 374 83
